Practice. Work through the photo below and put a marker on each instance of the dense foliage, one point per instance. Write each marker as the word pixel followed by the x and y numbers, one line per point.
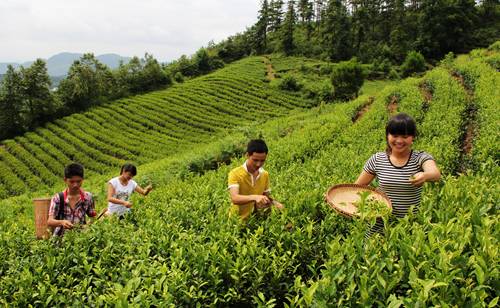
pixel 374 31
pixel 180 248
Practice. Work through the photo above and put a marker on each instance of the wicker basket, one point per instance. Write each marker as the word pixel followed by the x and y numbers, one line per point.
pixel 41 207
pixel 343 198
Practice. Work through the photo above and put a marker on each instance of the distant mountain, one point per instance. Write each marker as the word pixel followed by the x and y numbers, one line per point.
pixel 58 65
pixel 55 80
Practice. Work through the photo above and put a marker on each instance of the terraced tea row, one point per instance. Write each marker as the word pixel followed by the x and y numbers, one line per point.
pixel 483 80
pixel 143 128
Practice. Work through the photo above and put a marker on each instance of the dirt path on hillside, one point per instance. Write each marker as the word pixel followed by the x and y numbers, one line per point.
pixel 461 81
pixel 470 121
pixel 427 94
pixel 363 109
pixel 270 73
pixel 392 107
pixel 468 140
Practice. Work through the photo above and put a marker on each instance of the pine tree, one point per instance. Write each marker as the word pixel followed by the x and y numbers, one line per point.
pixel 399 37
pixel 260 29
pixel 11 100
pixel 39 105
pixel 336 32
pixel 318 10
pixel 306 13
pixel 288 29
pixel 446 26
pixel 275 15
pixel 359 26
pixel 305 10
pixel 488 30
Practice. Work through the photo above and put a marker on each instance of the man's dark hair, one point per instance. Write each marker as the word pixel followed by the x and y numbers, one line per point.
pixel 129 168
pixel 256 146
pixel 73 169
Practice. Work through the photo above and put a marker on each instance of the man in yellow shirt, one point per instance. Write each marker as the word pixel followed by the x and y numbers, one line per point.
pixel 249 184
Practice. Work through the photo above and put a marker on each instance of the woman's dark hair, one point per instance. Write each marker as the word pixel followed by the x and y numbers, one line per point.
pixel 73 169
pixel 400 124
pixel 129 168
pixel 256 146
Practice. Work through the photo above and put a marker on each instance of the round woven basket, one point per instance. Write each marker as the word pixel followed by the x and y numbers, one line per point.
pixel 343 198
pixel 41 206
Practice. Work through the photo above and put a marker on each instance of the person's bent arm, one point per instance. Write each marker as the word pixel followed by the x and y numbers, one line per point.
pixel 111 192
pixel 238 199
pixel 364 178
pixel 143 191
pixel 52 222
pixel 431 173
pixel 431 169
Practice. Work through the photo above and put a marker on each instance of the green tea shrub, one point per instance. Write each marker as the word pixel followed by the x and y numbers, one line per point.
pixel 414 63
pixel 347 78
pixel 289 83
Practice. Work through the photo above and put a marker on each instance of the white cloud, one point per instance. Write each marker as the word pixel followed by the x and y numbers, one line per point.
pixel 167 29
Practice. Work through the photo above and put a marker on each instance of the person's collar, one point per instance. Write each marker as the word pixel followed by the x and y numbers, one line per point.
pixel 261 169
pixel 82 194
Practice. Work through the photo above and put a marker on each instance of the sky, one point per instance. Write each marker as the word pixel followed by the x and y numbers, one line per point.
pixel 167 29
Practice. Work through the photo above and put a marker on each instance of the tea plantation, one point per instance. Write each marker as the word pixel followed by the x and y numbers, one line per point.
pixel 179 247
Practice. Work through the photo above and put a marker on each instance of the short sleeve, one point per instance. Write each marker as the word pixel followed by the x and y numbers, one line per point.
pixel 112 182
pixel 54 205
pixel 90 205
pixel 233 180
pixel 134 185
pixel 423 157
pixel 371 165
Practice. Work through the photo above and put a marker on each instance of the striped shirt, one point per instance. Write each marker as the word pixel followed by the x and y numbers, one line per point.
pixel 394 181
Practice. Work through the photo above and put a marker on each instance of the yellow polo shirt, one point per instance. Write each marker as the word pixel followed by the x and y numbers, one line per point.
pixel 241 178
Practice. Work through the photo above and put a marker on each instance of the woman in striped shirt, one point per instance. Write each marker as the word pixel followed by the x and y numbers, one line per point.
pixel 400 170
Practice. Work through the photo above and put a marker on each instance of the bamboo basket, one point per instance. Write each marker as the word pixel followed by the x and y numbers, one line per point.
pixel 41 207
pixel 343 198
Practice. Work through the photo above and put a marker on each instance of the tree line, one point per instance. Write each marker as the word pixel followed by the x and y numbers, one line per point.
pixel 27 101
pixel 395 38
pixel 374 30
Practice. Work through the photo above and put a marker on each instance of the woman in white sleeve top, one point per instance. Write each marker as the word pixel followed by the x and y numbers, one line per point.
pixel 121 188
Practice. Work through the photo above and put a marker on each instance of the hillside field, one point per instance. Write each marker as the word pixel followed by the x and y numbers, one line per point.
pixel 180 248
